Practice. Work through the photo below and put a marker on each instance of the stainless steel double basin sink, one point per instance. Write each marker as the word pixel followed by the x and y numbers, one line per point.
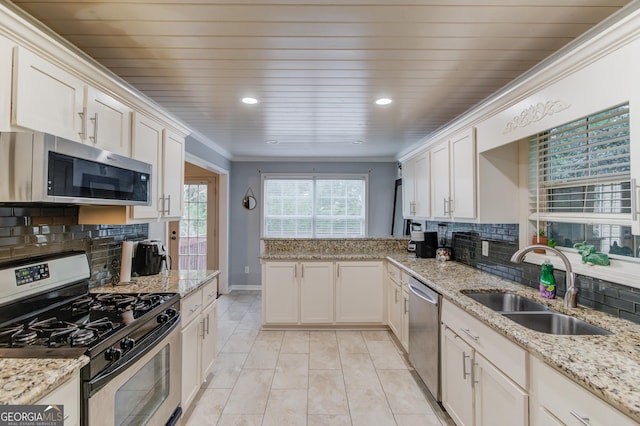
pixel 534 315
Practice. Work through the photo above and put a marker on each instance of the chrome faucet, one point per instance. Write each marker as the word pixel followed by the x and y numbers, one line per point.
pixel 571 290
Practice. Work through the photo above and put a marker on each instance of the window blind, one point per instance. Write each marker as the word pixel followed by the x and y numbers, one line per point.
pixel 315 207
pixel 580 171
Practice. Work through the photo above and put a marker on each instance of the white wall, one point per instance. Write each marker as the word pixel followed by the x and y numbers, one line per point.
pixel 244 236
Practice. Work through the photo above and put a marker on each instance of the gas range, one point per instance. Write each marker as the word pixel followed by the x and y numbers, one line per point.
pixel 46 311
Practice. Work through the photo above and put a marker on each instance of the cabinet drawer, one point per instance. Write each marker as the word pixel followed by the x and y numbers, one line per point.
pixel 568 402
pixel 209 292
pixel 191 306
pixel 509 357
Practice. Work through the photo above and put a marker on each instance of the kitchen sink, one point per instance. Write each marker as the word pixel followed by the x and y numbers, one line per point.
pixel 534 315
pixel 507 302
pixel 554 323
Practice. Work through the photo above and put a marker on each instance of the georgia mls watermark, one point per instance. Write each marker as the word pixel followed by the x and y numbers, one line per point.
pixel 31 415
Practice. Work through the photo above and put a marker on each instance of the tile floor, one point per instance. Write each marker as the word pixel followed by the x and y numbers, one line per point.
pixel 310 378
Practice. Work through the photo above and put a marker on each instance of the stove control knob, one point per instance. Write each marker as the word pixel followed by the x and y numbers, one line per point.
pixel 171 312
pixel 113 354
pixel 162 318
pixel 127 343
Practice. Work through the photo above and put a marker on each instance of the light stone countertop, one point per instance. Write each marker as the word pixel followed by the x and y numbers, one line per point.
pixel 26 380
pixel 608 366
pixel 180 281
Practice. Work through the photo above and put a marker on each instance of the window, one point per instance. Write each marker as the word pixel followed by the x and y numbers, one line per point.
pixel 192 252
pixel 580 182
pixel 314 206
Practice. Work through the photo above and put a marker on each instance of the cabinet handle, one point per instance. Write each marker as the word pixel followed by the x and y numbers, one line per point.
pixel 168 203
pixel 406 306
pixel 295 271
pixel 302 271
pixel 582 420
pixel 338 271
pixel 95 129
pixel 473 372
pixel 451 205
pixel 468 333
pixel 202 335
pixel 446 202
pixel 207 329
pixel 195 308
pixel 464 365
pixel 83 123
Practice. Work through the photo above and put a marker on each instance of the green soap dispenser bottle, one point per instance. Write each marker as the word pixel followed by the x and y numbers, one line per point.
pixel 547 281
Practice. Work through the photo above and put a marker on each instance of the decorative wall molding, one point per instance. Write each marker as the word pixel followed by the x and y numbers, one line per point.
pixel 535 113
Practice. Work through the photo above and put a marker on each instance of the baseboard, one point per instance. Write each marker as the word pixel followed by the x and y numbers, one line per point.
pixel 245 288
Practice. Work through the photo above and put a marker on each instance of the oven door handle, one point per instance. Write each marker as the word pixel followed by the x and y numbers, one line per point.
pixel 102 379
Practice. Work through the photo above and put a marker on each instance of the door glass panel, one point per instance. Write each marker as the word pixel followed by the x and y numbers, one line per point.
pixel 192 252
pixel 140 397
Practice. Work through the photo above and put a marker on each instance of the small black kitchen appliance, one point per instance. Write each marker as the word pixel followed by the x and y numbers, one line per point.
pixel 149 257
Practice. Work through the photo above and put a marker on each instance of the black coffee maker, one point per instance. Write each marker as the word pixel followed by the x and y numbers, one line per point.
pixel 428 246
pixel 149 258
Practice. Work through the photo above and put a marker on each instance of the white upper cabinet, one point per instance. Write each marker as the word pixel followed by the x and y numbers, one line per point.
pixel 6 63
pixel 107 122
pixel 164 150
pixel 45 97
pixel 440 188
pixel 463 175
pixel 453 183
pixel 415 187
pixel 147 147
pixel 173 175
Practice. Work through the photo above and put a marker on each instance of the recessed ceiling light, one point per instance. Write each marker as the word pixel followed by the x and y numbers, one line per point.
pixel 357 142
pixel 273 142
pixel 249 101
pixel 383 101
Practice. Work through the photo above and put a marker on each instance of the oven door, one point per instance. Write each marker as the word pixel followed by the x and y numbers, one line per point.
pixel 147 391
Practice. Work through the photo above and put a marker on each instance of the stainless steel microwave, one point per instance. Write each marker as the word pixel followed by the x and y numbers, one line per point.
pixel 38 167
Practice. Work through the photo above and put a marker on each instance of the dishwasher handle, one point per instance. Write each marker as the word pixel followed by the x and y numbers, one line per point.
pixel 423 295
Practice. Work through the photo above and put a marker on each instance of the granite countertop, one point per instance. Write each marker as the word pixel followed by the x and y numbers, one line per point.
pixel 180 281
pixel 315 255
pixel 26 380
pixel 609 366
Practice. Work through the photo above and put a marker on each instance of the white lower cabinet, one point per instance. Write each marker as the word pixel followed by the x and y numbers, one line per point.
pixel 199 335
pixel 405 318
pixel 394 300
pixel 323 293
pixel 298 293
pixel 360 293
pixel 483 374
pixel 67 395
pixel 557 400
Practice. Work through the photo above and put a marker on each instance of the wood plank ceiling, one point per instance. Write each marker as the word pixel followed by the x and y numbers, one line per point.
pixel 316 66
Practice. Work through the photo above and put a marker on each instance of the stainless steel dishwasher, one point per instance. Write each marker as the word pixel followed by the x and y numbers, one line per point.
pixel 424 334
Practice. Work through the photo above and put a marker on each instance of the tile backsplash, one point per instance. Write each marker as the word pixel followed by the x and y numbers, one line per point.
pixel 28 230
pixel 615 299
